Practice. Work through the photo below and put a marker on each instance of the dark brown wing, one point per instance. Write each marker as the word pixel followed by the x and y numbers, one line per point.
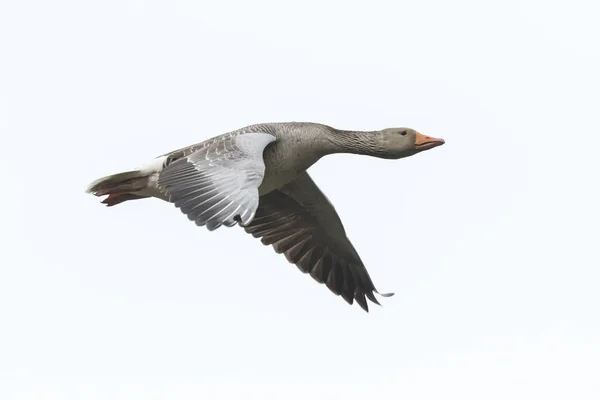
pixel 299 221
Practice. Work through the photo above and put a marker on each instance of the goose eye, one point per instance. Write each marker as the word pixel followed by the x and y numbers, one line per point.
pixel 403 133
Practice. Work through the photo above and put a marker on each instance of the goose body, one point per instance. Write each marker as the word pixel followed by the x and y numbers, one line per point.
pixel 256 177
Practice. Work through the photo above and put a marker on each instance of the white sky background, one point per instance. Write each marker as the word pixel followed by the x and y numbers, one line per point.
pixel 488 242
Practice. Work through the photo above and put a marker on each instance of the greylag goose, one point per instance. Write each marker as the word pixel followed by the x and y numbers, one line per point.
pixel 256 177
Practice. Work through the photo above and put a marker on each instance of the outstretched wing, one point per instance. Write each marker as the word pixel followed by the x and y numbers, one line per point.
pixel 299 221
pixel 218 184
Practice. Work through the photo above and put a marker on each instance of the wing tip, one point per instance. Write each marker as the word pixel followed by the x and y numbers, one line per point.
pixel 372 298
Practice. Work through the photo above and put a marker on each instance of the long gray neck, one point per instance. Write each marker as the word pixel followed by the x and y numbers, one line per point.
pixel 321 140
pixel 354 142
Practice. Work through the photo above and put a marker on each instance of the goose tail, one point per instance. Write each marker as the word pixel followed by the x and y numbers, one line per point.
pixel 130 185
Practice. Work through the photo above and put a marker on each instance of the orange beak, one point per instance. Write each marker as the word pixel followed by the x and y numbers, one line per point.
pixel 423 142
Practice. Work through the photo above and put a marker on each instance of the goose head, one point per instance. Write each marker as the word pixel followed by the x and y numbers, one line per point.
pixel 395 143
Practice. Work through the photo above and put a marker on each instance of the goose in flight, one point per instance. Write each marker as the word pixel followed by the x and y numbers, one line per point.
pixel 256 177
